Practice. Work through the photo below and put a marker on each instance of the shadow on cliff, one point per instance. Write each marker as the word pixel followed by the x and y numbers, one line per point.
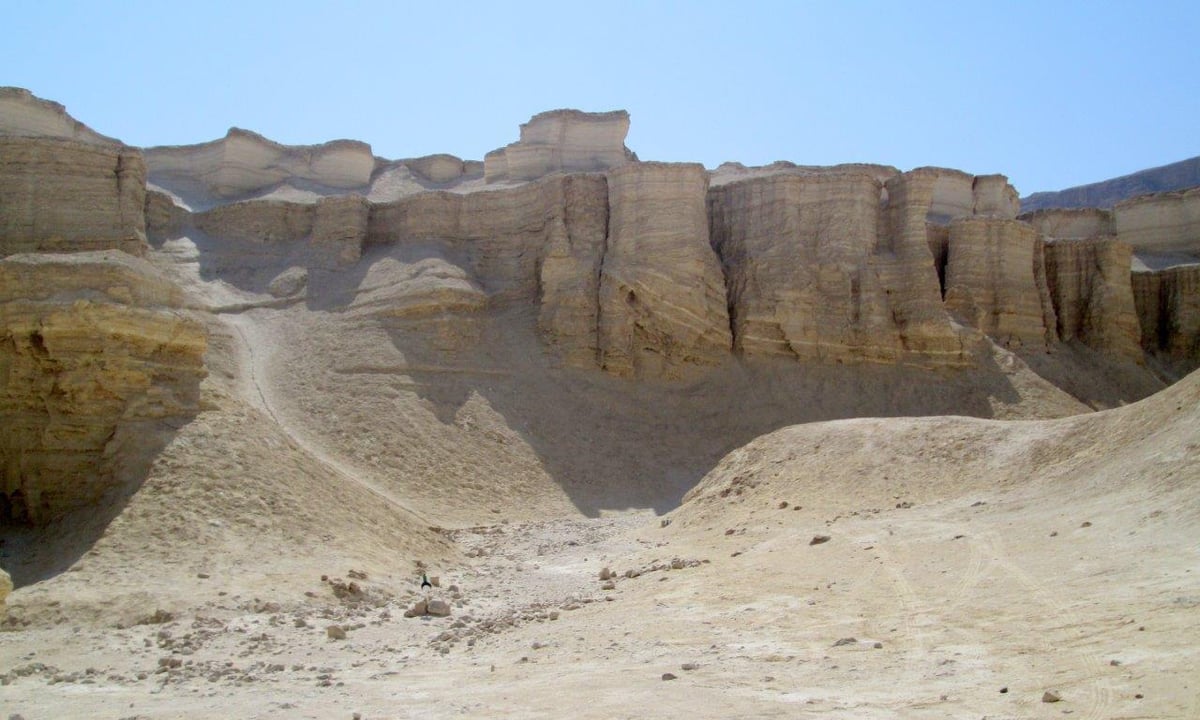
pixel 617 444
pixel 32 552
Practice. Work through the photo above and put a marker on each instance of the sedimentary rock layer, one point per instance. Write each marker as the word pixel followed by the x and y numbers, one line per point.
pixel 562 140
pixel 1164 223
pixel 22 114
pixel 662 293
pixel 996 281
pixel 1089 283
pixel 92 347
pixel 1168 306
pixel 64 195
pixel 244 162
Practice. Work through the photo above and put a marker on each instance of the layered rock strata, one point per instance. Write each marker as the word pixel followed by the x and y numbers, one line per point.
pixel 244 162
pixel 24 115
pixel 1089 283
pixel 996 281
pixel 93 348
pixel 1168 306
pixel 562 140
pixel 64 195
pixel 1166 223
pixel 662 302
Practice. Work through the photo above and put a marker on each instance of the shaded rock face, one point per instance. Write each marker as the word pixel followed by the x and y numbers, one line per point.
pixel 1069 224
pixel 662 293
pixel 62 195
pixel 541 243
pixel 93 353
pixel 244 162
pixel 1089 283
pixel 562 140
pixel 1168 307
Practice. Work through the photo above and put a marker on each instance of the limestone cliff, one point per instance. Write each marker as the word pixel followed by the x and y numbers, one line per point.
pixel 1089 282
pixel 62 195
pixel 93 352
pixel 662 293
pixel 1168 306
pixel 562 140
pixel 1161 224
pixel 1107 193
pixel 996 281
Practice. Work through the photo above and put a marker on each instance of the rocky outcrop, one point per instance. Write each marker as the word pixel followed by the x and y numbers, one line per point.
pixel 662 293
pixel 996 281
pixel 93 350
pixel 1168 306
pixel 24 115
pixel 562 140
pixel 538 243
pixel 441 168
pixel 1105 194
pixel 1162 224
pixel 1089 283
pixel 244 162
pixel 63 195
pixel 1071 224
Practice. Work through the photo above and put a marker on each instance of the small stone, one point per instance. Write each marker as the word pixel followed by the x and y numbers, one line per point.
pixel 610 585
pixel 878 645
pixel 730 531
pixel 438 608
pixel 1003 690
pixel 335 632
pixel 1139 696
pixel 665 522
pixel 1114 663
pixel 669 676
pixel 1086 523
pixel 356 716
pixel 1054 534
pixel 783 504
pixel 203 576
pixel 678 564
pixel 1051 697
pixel 819 539
pixel 690 666
pixel 606 574
pixel 845 641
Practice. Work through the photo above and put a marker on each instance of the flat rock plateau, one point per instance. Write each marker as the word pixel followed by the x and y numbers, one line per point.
pixel 664 440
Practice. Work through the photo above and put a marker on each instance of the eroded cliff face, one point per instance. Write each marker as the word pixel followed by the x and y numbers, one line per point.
pixel 62 195
pixel 1089 282
pixel 562 140
pixel 662 293
pixel 1168 306
pixel 94 352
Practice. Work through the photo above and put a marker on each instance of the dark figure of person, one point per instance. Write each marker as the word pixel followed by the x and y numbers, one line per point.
pixel 425 584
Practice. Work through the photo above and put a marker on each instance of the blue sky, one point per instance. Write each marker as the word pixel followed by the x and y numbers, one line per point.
pixel 1052 94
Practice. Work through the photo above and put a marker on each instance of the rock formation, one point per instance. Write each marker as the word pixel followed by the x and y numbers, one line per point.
pixel 62 194
pixel 1168 307
pixel 662 292
pixel 1106 194
pixel 562 140
pixel 1089 283
pixel 93 349
pixel 244 162
pixel 996 281
pixel 23 115
pixel 1161 224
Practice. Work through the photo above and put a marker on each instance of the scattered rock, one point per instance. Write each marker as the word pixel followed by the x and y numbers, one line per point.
pixel 419 608
pixel 669 676
pixel 783 504
pixel 610 585
pixel 1114 663
pixel 1138 696
pixel 665 522
pixel 845 641
pixel 607 574
pixel 357 575
pixel 438 608
pixel 1086 523
pixel 335 632
pixel 690 666
pixel 678 564
pixel 819 539
pixel 1003 690
pixel 1051 697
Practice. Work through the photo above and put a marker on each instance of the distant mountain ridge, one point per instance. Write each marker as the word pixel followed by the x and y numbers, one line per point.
pixel 1106 193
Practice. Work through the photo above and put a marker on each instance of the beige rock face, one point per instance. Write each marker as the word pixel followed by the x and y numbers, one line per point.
pixel 165 219
pixel 244 162
pixel 340 229
pixel 541 243
pixel 1064 224
pixel 438 168
pixel 662 294
pixel 1161 223
pixel 66 195
pixel 562 140
pixel 23 114
pixel 996 281
pixel 92 351
pixel 1093 299
pixel 1168 306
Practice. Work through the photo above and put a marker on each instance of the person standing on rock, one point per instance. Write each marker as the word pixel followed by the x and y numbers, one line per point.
pixel 425 584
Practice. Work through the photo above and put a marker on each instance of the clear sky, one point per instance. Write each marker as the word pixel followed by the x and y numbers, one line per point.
pixel 1052 94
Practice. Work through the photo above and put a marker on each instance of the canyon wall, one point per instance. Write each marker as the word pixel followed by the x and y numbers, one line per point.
pixel 93 351
pixel 562 140
pixel 60 194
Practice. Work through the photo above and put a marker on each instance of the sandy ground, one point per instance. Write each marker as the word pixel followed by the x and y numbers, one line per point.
pixel 972 565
